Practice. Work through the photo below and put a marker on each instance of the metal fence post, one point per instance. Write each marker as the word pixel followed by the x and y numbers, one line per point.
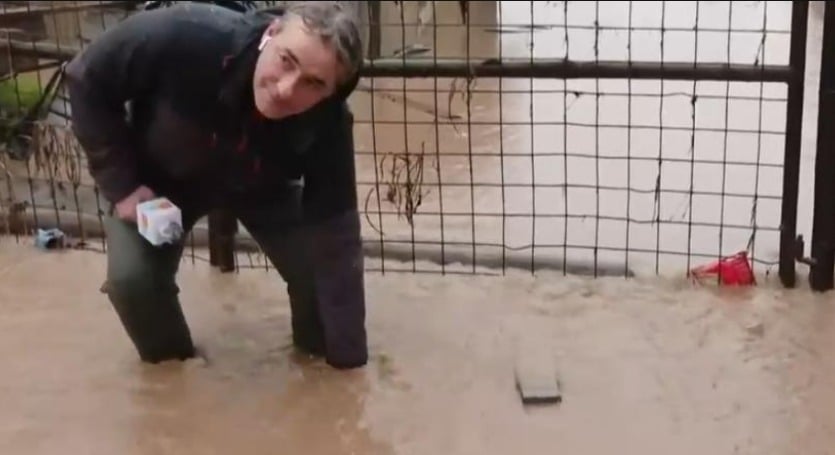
pixel 375 30
pixel 794 123
pixel 222 229
pixel 823 229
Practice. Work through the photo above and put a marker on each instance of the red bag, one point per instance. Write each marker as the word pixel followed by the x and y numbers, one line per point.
pixel 735 270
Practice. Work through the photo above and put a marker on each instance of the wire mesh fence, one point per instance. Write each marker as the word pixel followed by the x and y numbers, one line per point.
pixel 591 137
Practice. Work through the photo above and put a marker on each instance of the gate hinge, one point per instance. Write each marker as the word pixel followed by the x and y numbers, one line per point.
pixel 799 247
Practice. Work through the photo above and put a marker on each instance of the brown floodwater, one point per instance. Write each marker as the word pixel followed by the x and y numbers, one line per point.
pixel 652 366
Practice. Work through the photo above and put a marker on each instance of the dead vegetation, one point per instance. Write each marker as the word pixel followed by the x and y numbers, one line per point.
pixel 7 201
pixel 57 154
pixel 54 158
pixel 401 176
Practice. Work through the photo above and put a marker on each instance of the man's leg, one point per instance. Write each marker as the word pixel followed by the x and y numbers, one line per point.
pixel 276 229
pixel 142 288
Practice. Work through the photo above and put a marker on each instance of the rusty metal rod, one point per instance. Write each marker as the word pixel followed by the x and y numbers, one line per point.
pixel 418 68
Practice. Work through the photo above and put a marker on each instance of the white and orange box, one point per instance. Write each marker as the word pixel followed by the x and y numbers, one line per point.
pixel 159 221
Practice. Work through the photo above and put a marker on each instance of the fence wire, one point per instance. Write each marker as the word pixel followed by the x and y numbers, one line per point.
pixel 479 174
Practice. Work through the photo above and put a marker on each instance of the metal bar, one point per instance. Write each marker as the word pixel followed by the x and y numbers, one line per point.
pixel 375 27
pixel 559 69
pixel 222 229
pixel 794 122
pixel 34 66
pixel 544 68
pixel 823 226
pixel 11 15
pixel 41 50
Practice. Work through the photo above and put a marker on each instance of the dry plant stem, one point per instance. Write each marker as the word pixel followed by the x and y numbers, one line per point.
pixel 403 186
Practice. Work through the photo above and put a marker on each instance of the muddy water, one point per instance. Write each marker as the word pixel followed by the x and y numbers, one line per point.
pixel 645 366
pixel 474 155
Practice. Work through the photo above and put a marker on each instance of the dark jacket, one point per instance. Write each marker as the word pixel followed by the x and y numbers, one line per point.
pixel 165 100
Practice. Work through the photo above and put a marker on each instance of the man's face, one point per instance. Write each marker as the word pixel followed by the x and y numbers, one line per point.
pixel 295 70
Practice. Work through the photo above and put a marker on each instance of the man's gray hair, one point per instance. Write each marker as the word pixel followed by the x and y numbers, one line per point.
pixel 336 24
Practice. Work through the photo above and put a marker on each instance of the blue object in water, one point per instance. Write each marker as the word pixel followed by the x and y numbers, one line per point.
pixel 48 239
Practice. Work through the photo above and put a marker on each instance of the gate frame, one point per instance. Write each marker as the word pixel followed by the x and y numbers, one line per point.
pixel 822 263
pixel 822 273
pixel 793 74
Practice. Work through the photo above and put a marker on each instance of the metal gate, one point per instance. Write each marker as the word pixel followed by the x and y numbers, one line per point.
pixel 222 237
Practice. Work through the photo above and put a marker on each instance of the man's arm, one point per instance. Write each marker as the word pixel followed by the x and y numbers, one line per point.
pixel 331 215
pixel 117 67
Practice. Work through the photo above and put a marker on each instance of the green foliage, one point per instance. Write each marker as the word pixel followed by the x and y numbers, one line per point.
pixel 19 94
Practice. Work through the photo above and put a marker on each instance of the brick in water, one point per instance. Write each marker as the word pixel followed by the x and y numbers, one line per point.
pixel 536 377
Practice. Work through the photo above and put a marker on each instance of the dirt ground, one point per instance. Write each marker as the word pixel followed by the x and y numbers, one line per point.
pixel 646 365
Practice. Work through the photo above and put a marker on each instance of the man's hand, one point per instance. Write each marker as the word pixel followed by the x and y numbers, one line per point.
pixel 126 208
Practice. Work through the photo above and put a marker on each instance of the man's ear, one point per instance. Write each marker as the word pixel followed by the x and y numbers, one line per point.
pixel 273 28
pixel 269 33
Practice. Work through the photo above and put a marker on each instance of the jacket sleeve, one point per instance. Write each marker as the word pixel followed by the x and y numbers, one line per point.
pixel 331 215
pixel 119 66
